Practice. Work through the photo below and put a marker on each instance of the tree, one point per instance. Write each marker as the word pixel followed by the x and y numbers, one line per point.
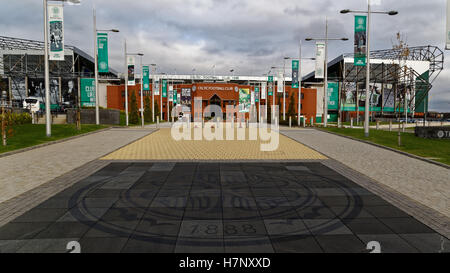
pixel 291 110
pixel 134 111
pixel 147 110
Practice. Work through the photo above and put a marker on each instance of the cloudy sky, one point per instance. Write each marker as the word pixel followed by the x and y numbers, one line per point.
pixel 249 36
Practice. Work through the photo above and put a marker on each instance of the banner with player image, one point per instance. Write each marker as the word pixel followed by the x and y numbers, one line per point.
pixel 244 100
pixel 388 98
pixel 360 40
pixel 320 60
pixel 263 90
pixel 186 98
pixel 56 32
pixel 131 61
pixel 349 96
pixel 18 88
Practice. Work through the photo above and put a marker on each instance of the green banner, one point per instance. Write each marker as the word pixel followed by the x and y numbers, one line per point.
pixel 146 76
pixel 270 79
pixel 175 99
pixel 333 95
pixel 87 92
pixel 360 40
pixel 256 94
pixel 164 88
pixel 295 66
pixel 102 44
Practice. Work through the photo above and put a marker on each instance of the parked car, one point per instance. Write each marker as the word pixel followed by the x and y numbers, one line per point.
pixel 32 104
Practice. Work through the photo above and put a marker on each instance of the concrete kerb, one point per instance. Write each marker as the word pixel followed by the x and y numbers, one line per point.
pixel 389 148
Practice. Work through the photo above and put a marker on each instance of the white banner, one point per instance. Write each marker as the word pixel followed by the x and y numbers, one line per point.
pixel 156 86
pixel 56 31
pixel 320 60
pixel 253 98
pixel 263 90
pixel 131 61
pixel 447 43
pixel 170 93
pixel 280 83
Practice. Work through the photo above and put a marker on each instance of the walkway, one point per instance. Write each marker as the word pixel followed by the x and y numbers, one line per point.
pixel 25 171
pixel 421 181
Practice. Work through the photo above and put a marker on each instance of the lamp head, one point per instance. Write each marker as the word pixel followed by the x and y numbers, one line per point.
pixel 393 12
pixel 308 39
pixel 344 11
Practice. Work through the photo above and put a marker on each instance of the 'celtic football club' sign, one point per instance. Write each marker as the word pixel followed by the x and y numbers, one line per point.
pixel 102 43
pixel 56 32
pixel 360 40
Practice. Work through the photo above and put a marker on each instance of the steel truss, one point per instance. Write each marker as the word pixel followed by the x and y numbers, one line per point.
pixel 396 72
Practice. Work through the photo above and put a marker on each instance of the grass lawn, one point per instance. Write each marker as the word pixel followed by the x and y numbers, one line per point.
pixel 435 149
pixel 30 135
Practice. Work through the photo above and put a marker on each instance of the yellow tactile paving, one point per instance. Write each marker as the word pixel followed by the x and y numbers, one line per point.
pixel 161 146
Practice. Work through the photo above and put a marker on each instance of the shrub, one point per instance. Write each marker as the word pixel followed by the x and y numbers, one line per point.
pixel 16 119
pixel 147 110
pixel 134 111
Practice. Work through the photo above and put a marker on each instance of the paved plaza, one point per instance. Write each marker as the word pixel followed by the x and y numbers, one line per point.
pixel 196 200
pixel 161 146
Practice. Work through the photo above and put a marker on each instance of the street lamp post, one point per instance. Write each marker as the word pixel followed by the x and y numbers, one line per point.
pixel 284 86
pixel 48 120
pixel 142 91
pixel 369 12
pixel 97 103
pixel 153 91
pixel 126 79
pixel 325 85
pixel 300 83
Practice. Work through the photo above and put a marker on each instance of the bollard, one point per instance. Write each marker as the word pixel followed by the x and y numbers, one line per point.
pixel 390 126
pixel 378 125
pixel 157 122
pixel 351 123
pixel 312 122
pixel 339 122
pixel 304 122
pixel 404 127
pixel 290 122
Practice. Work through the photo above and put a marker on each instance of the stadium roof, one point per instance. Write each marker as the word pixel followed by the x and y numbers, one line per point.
pixel 10 43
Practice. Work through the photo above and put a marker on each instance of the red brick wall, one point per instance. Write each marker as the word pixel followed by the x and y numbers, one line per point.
pixel 207 90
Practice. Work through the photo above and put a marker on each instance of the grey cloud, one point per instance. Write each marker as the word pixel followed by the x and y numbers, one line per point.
pixel 249 36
